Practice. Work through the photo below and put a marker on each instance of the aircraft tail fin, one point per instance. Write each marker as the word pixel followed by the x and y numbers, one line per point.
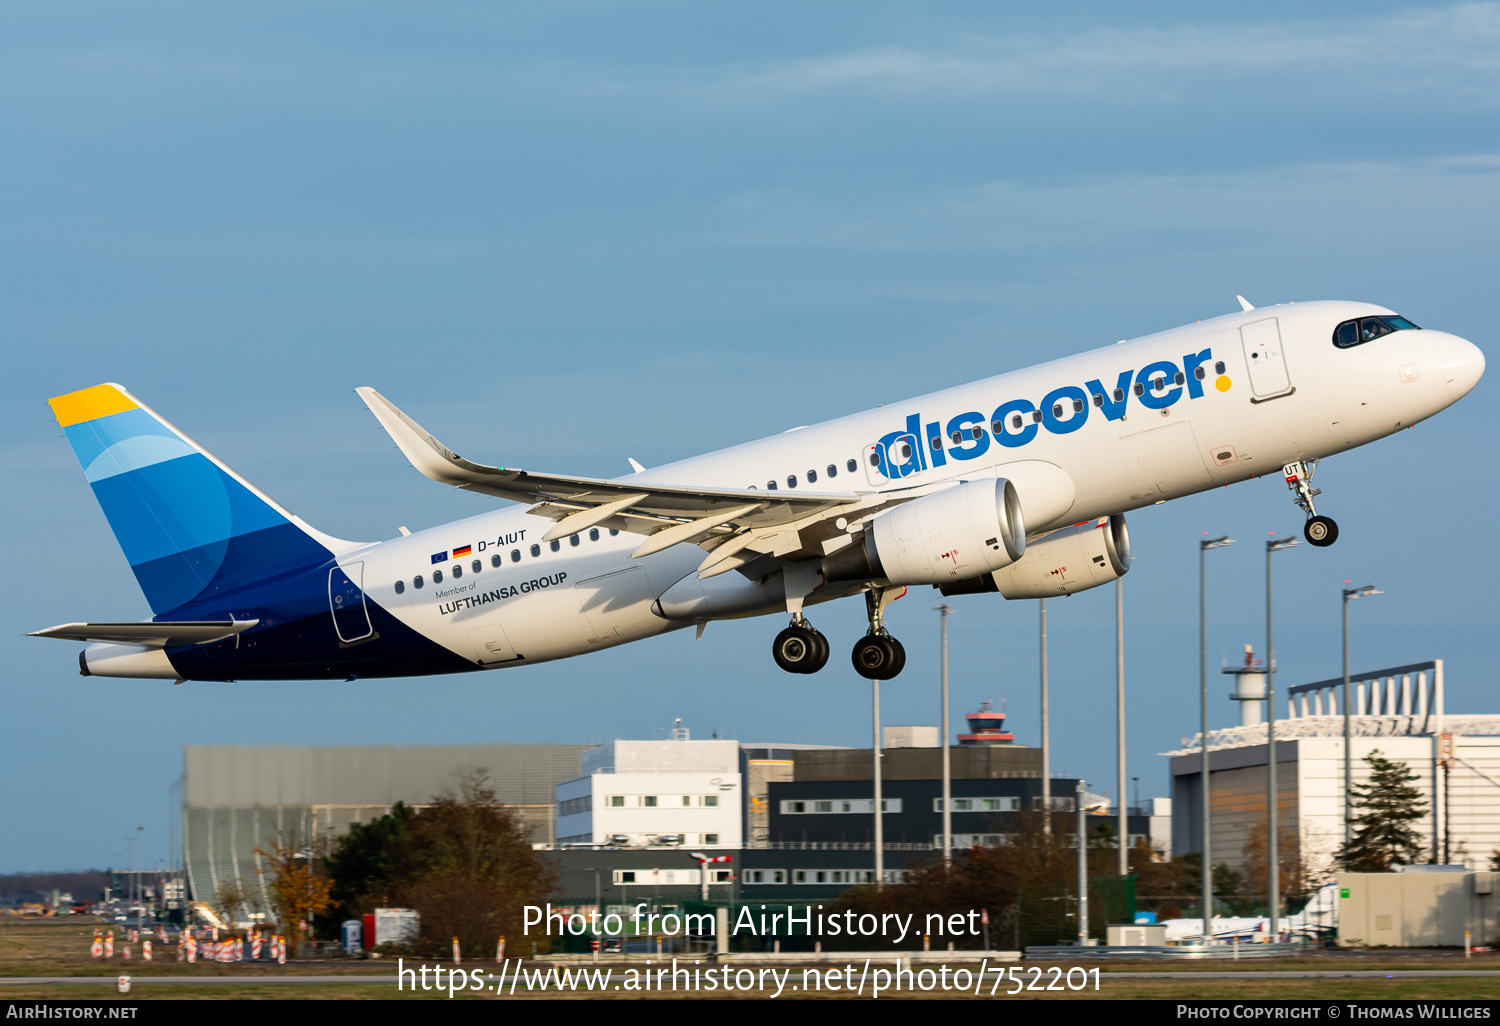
pixel 190 527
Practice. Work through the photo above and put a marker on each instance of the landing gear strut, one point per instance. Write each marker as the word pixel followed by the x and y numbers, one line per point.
pixel 877 655
pixel 800 648
pixel 1319 530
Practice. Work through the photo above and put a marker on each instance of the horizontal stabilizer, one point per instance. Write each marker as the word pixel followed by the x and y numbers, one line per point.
pixel 152 635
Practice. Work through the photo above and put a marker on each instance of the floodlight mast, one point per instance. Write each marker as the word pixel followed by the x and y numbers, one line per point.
pixel 1273 859
pixel 1208 890
pixel 1350 593
pixel 944 610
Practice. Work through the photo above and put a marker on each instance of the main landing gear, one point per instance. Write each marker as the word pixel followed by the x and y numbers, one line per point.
pixel 1319 530
pixel 877 655
pixel 801 648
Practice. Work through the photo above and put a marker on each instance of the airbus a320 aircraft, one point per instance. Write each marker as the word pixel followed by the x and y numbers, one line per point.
pixel 1017 483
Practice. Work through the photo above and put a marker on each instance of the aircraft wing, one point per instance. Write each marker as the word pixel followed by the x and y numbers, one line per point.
pixel 669 513
pixel 152 635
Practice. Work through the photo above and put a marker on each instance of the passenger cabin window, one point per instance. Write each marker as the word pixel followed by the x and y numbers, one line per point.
pixel 1119 395
pixel 400 587
pixel 1140 389
pixel 1015 422
pixel 495 560
pixel 437 577
pixel 416 582
pixel 536 550
pixel 1199 373
pixel 594 536
pixel 833 470
pixel 515 555
pixel 458 570
pixel 614 531
pixel 478 566
pixel 770 486
pixel 791 480
pixel 1218 369
pixel 555 545
pixel 852 465
pixel 812 475
pixel 572 539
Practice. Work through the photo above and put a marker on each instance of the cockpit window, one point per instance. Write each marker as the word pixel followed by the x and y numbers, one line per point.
pixel 1367 329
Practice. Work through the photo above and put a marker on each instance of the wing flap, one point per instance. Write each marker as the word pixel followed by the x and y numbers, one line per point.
pixel 152 635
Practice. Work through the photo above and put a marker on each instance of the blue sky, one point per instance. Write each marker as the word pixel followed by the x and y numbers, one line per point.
pixel 562 235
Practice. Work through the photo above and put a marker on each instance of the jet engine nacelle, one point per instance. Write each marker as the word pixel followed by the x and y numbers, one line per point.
pixel 1067 561
pixel 972 528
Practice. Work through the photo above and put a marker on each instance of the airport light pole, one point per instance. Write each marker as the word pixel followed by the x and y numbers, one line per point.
pixel 943 611
pixel 1124 831
pixel 1350 593
pixel 1046 731
pixel 1083 868
pixel 1273 859
pixel 1204 546
pixel 879 824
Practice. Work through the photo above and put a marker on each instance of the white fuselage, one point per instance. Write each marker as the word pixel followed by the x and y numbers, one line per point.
pixel 1298 397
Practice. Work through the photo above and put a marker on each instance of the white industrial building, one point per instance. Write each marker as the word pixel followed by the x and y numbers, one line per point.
pixel 641 793
pixel 1397 711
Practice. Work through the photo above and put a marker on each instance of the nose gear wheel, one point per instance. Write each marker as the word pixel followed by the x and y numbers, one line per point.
pixel 1319 530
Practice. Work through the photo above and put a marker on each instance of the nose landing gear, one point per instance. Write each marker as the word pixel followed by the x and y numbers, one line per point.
pixel 1319 530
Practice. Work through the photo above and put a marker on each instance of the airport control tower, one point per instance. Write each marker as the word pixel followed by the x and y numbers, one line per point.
pixel 1249 688
pixel 987 728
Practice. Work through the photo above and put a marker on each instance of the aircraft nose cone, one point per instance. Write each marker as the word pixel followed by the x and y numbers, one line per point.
pixel 1465 369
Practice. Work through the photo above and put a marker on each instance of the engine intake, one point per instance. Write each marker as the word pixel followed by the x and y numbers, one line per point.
pixel 1067 561
pixel 973 528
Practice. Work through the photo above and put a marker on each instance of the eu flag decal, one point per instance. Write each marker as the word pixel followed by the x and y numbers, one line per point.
pixel 439 557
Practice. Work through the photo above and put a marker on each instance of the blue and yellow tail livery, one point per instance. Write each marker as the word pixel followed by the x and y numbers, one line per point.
pixel 189 526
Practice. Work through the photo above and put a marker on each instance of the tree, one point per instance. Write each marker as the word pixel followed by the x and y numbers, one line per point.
pixel 1293 879
pixel 362 865
pixel 298 889
pixel 468 867
pixel 1386 808
pixel 230 901
pixel 1163 885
